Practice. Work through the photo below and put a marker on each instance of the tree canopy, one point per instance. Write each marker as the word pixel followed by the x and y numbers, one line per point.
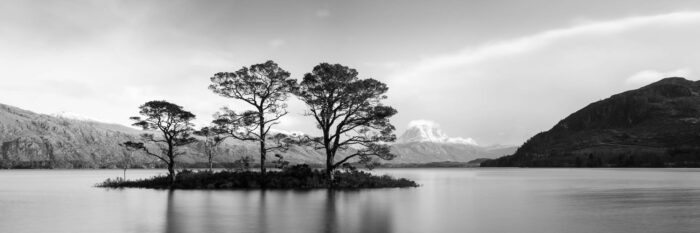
pixel 349 112
pixel 265 87
pixel 174 126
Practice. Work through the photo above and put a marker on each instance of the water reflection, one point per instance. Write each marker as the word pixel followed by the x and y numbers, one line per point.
pixel 348 211
pixel 453 201
pixel 329 221
pixel 450 200
pixel 374 218
pixel 171 222
pixel 262 212
pixel 321 211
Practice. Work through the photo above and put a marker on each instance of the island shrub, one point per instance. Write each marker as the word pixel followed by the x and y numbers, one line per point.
pixel 293 177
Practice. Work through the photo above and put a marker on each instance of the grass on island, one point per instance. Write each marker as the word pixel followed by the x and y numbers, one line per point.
pixel 295 177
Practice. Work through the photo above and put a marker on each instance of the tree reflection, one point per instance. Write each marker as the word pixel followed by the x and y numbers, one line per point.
pixel 314 211
pixel 374 217
pixel 367 217
pixel 262 213
pixel 171 221
pixel 329 216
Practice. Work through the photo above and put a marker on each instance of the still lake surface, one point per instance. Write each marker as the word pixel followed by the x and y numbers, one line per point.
pixel 449 200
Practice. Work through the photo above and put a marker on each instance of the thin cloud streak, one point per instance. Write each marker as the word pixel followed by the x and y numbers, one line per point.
pixel 539 40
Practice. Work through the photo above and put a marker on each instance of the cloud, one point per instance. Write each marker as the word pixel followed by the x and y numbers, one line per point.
pixel 649 76
pixel 539 40
pixel 507 91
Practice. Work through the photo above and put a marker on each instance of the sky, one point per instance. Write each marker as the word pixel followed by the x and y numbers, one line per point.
pixel 494 71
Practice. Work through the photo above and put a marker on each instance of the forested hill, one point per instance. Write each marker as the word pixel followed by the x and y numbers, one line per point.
pixel 657 125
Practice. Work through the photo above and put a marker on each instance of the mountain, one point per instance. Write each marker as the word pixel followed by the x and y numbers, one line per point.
pixel 657 125
pixel 424 142
pixel 428 131
pixel 33 140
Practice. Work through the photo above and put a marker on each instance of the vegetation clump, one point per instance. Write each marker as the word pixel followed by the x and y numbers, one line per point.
pixel 294 177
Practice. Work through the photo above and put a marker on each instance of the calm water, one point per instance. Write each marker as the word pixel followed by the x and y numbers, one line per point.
pixel 450 200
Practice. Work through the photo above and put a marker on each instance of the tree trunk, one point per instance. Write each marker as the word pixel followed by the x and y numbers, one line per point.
pixel 262 143
pixel 209 153
pixel 171 173
pixel 171 163
pixel 329 168
pixel 127 163
pixel 262 157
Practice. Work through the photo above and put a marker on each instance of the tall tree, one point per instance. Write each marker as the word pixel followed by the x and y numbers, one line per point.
pixel 175 129
pixel 349 112
pixel 265 87
pixel 211 141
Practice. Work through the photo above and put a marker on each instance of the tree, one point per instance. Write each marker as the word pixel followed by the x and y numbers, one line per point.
pixel 127 156
pixel 211 141
pixel 265 87
pixel 174 125
pixel 349 113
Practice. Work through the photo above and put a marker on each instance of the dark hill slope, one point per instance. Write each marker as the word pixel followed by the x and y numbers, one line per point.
pixel 654 126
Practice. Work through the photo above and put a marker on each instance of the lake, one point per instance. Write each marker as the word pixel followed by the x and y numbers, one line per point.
pixel 449 200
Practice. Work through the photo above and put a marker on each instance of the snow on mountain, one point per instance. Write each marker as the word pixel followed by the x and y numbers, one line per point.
pixel 429 131
pixel 425 142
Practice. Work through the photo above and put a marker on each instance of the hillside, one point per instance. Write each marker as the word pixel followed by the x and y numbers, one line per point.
pixel 32 140
pixel 653 126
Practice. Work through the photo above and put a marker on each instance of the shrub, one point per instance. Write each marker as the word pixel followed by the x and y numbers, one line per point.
pixel 294 177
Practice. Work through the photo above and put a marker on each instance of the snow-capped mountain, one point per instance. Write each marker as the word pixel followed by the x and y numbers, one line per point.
pixel 424 142
pixel 429 131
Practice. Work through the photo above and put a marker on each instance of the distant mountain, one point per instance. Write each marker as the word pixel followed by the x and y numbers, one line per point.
pixel 32 140
pixel 654 126
pixel 424 142
pixel 428 131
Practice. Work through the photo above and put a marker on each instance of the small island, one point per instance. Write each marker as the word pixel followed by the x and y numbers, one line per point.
pixel 348 110
pixel 294 177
